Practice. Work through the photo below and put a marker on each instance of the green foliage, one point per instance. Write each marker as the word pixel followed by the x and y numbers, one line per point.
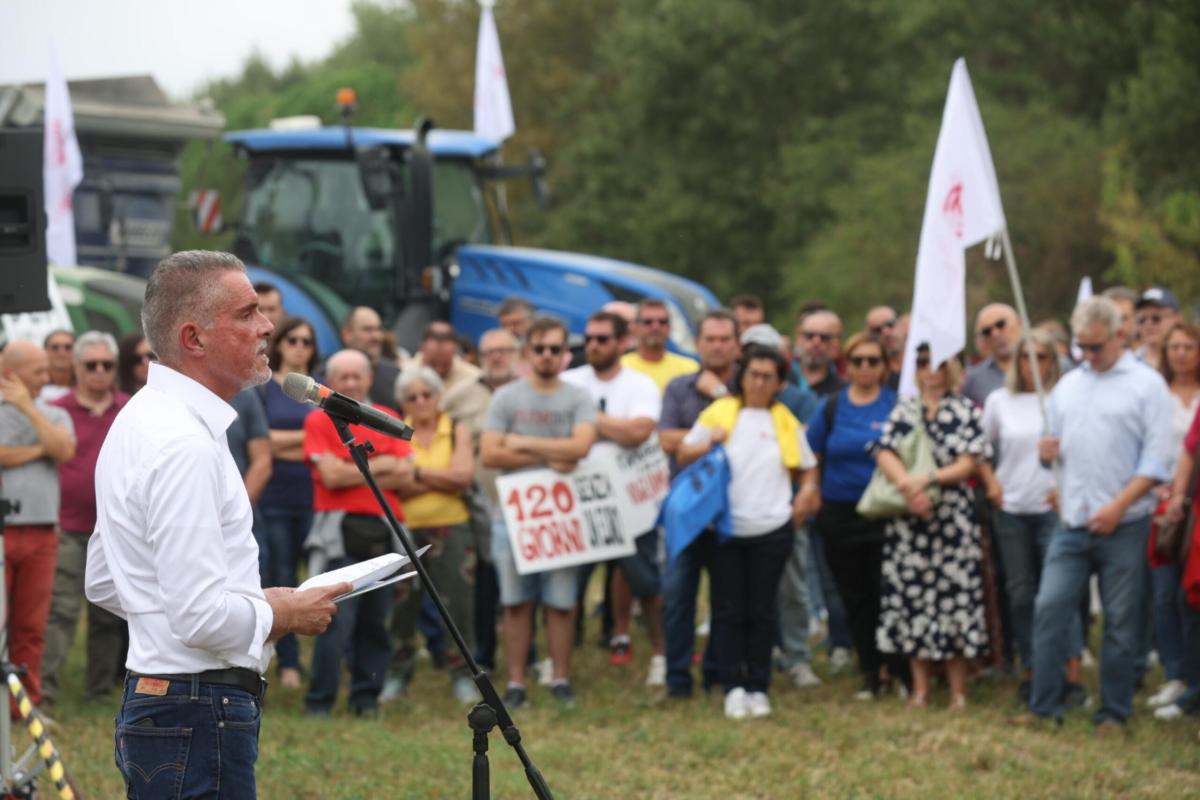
pixel 784 149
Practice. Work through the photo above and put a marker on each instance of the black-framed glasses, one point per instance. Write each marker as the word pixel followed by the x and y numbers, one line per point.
pixel 824 337
pixel 870 361
pixel 497 351
pixel 654 321
pixel 301 340
pixel 1153 319
pixel 998 325
pixel 103 364
pixel 598 338
pixel 922 362
pixel 543 349
pixel 883 326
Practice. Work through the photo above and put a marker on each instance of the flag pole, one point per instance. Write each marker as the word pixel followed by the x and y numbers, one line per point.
pixel 1023 313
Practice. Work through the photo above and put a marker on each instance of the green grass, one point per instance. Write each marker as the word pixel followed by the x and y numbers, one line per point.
pixel 621 743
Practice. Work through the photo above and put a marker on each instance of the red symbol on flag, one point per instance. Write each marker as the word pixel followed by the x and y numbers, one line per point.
pixel 206 208
pixel 952 208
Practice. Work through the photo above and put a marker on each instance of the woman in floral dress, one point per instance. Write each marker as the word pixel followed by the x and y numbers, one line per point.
pixel 932 605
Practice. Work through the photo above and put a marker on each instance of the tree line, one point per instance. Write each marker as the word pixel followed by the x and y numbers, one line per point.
pixel 782 147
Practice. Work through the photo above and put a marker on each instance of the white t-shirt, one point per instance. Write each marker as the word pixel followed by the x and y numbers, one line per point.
pixel 1181 420
pixel 627 395
pixel 760 486
pixel 1013 425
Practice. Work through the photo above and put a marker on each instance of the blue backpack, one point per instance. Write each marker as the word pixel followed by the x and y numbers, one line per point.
pixel 699 498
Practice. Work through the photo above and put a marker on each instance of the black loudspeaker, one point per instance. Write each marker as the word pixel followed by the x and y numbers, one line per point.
pixel 22 223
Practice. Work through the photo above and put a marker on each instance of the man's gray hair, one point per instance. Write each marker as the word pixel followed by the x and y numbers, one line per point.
pixel 93 338
pixel 419 373
pixel 1096 311
pixel 183 288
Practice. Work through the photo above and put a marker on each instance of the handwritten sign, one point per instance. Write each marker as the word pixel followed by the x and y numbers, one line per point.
pixel 557 519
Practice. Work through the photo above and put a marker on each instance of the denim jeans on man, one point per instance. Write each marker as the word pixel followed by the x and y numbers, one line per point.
pixel 193 741
pixel 681 581
pixel 1024 540
pixel 795 603
pixel 358 631
pixel 1118 559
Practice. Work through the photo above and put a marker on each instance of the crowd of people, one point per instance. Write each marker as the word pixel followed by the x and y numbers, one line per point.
pixel 1051 451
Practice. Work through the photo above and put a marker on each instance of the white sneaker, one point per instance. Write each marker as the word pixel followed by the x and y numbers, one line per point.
pixel 1167 694
pixel 545 672
pixel 658 671
pixel 735 704
pixel 803 676
pixel 839 659
pixel 1167 713
pixel 758 705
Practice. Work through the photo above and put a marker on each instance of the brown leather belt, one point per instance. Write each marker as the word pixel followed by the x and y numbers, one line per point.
pixel 236 677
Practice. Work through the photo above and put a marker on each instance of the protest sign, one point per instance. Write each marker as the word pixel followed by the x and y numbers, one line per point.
pixel 557 519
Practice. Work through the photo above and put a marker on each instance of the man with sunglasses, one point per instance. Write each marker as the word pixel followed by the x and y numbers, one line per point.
pixel 652 326
pixel 92 407
pixel 1111 431
pixel 819 344
pixel 628 407
pixel 997 325
pixel 35 438
pixel 1157 310
pixel 59 347
pixel 537 421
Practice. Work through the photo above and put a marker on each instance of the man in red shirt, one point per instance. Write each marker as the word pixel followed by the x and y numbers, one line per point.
pixel 92 405
pixel 349 527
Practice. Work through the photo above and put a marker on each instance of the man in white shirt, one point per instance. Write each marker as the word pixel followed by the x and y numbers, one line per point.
pixel 173 553
pixel 628 406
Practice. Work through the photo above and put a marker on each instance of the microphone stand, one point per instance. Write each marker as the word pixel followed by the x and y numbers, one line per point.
pixel 484 715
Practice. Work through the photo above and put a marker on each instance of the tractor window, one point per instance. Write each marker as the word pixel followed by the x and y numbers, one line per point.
pixel 459 209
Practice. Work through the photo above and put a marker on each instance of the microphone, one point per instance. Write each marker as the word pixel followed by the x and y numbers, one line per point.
pixel 304 389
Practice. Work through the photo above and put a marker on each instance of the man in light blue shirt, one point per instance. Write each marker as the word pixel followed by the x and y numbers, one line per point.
pixel 1111 426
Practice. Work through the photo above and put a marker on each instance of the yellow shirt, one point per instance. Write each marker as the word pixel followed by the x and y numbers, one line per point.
pixel 662 372
pixel 435 509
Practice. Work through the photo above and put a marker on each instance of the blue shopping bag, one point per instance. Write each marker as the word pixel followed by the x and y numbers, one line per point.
pixel 699 498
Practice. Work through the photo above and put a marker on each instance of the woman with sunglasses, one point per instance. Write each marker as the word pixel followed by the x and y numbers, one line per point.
pixel 286 504
pixel 932 604
pixel 1018 487
pixel 133 362
pixel 437 515
pixel 1180 359
pixel 767 449
pixel 841 433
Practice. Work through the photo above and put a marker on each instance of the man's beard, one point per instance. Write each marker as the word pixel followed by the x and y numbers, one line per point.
pixel 605 364
pixel 814 362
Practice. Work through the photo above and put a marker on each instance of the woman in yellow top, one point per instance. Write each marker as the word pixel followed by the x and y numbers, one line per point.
pixel 437 516
pixel 767 452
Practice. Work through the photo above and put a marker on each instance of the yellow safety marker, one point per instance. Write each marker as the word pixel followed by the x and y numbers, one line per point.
pixel 45 748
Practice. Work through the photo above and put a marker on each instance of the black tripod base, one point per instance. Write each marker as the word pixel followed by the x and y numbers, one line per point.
pixel 481 718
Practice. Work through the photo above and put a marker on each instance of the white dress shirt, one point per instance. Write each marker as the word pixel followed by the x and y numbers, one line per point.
pixel 173 552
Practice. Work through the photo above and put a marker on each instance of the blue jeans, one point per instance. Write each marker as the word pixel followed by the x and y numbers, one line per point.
pixel 1119 560
pixel 1190 662
pixel 745 578
pixel 824 595
pixel 794 599
pixel 193 741
pixel 359 632
pixel 681 581
pixel 1023 540
pixel 1168 621
pixel 284 532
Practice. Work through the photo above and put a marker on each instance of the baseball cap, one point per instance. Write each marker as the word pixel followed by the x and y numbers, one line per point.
pixel 762 334
pixel 1158 296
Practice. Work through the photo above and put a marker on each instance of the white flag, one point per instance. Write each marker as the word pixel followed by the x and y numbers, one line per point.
pixel 1084 293
pixel 962 209
pixel 493 108
pixel 62 167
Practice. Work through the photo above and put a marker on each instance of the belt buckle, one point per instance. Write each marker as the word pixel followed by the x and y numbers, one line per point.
pixel 262 688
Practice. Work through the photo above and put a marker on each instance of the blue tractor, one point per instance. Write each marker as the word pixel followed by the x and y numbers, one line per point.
pixel 411 224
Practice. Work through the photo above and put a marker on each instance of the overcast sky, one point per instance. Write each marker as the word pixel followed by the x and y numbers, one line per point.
pixel 182 43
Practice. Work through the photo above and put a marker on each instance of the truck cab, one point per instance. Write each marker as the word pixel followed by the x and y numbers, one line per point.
pixel 410 223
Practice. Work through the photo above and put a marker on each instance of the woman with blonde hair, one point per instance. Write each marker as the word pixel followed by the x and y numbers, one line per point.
pixel 1018 487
